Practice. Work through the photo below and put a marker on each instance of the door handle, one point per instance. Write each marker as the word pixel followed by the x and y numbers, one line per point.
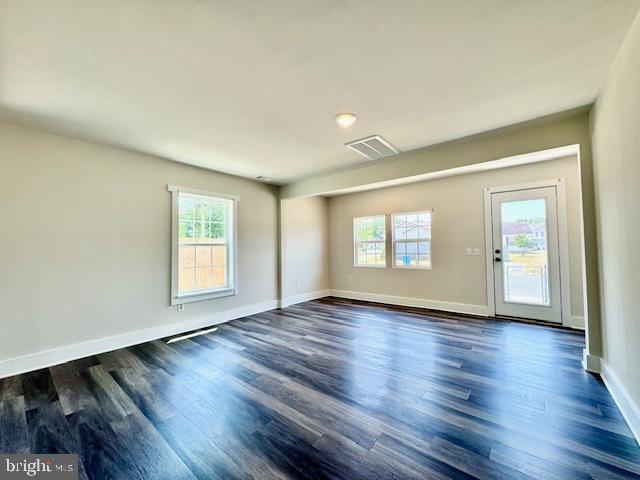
pixel 498 259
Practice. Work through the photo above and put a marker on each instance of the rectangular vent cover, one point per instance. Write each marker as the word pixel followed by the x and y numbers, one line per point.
pixel 373 147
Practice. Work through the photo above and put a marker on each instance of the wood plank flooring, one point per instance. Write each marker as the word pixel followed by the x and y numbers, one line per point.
pixel 330 389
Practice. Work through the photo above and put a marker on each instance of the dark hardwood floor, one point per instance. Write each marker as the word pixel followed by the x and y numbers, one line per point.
pixel 330 389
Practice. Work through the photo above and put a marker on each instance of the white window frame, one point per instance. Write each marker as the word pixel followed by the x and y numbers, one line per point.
pixel 394 241
pixel 232 247
pixel 356 242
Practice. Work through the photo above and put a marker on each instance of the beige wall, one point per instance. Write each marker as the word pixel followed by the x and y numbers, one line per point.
pixel 615 124
pixel 85 245
pixel 458 223
pixel 305 262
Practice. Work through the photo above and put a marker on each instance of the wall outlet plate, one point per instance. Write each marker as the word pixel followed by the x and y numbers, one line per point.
pixel 181 307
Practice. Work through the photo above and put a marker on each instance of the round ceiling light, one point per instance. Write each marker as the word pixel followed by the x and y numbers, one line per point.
pixel 345 120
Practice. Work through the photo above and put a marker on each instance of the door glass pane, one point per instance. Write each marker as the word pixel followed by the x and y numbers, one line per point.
pixel 525 262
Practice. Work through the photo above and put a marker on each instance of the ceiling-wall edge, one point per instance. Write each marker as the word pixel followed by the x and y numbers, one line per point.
pixel 545 133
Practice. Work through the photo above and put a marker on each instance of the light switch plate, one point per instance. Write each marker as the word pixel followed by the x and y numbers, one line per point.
pixel 476 252
pixel 468 251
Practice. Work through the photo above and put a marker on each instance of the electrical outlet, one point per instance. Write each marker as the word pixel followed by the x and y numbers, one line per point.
pixel 350 278
pixel 181 307
pixel 297 281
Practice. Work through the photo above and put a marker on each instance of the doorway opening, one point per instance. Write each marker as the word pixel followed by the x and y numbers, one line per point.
pixel 527 251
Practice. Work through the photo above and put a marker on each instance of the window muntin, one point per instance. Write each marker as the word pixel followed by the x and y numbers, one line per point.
pixel 411 233
pixel 203 245
pixel 369 238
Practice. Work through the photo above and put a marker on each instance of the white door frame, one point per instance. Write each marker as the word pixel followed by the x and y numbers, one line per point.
pixel 563 242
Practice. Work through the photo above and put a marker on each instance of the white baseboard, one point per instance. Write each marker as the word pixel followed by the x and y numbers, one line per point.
pixel 591 363
pixel 303 297
pixel 629 409
pixel 574 321
pixel 481 310
pixel 48 358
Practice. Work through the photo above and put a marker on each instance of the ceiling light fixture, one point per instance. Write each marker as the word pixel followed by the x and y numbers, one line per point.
pixel 345 120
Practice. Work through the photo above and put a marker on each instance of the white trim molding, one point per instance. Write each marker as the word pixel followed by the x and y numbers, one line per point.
pixel 591 363
pixel 48 358
pixel 204 193
pixel 481 310
pixel 574 321
pixel 629 409
pixel 303 297
pixel 231 243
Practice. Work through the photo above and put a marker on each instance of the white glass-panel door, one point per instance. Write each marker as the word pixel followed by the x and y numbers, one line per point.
pixel 525 250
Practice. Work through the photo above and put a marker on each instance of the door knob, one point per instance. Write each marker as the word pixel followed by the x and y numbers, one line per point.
pixel 497 250
pixel 498 259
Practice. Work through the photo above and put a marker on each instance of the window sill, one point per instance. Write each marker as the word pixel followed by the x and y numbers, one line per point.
pixel 199 296
pixel 412 268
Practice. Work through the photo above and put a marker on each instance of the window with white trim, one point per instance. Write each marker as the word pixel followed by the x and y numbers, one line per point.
pixel 369 237
pixel 411 234
pixel 203 244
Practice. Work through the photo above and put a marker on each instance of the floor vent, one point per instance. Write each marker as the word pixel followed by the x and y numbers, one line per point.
pixel 192 334
pixel 373 147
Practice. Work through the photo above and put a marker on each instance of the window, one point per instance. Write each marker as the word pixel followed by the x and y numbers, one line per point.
pixel 369 237
pixel 203 245
pixel 411 240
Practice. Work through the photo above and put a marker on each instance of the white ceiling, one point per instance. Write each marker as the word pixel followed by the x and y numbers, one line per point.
pixel 251 87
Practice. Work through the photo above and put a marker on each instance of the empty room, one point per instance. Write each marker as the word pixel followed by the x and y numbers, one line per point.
pixel 328 239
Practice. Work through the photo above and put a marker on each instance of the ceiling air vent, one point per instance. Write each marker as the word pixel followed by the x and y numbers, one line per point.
pixel 373 147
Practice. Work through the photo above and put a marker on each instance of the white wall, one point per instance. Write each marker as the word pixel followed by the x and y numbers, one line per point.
pixel 85 243
pixel 305 258
pixel 456 281
pixel 615 126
